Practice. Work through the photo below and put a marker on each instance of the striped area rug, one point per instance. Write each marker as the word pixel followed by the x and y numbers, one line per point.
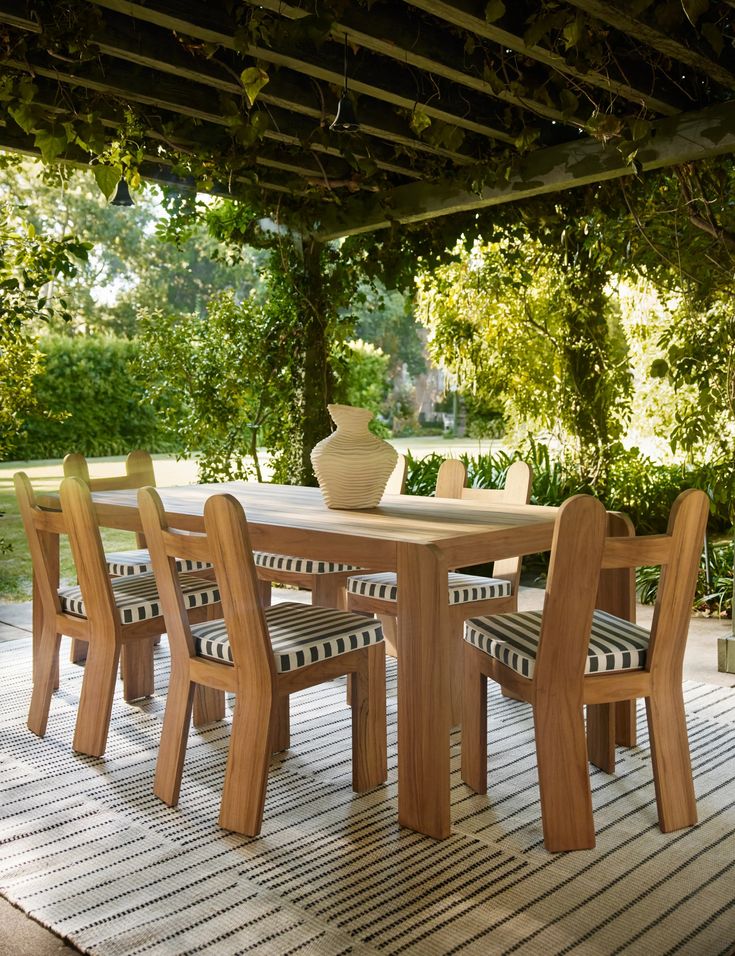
pixel 89 852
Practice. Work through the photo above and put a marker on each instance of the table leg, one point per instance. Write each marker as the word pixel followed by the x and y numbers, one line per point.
pixel 423 691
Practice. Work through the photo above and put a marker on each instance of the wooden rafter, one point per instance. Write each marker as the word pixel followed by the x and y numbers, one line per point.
pixel 615 16
pixel 681 139
pixel 327 68
pixel 468 15
pixel 444 94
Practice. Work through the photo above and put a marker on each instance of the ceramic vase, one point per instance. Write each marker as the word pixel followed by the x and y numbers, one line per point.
pixel 352 465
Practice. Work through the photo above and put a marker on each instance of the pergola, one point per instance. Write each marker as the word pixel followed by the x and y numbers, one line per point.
pixel 461 105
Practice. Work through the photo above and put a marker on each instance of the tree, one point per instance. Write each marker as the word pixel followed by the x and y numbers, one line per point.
pixel 135 261
pixel 29 266
pixel 231 371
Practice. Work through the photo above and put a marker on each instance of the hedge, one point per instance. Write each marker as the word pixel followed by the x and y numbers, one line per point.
pixel 89 402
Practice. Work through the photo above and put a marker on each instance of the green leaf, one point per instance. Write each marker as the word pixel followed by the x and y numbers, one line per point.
pixel 694 9
pixel 107 178
pixel 419 121
pixel 569 102
pixel 253 80
pixel 573 32
pixel 713 36
pixel 51 142
pixel 659 369
pixel 25 116
pixel 494 10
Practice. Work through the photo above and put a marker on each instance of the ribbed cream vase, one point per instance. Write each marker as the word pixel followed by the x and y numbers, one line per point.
pixel 352 465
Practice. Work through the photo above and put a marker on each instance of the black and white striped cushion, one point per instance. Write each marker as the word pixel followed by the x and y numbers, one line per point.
pixel 301 634
pixel 126 563
pixel 615 644
pixel 137 598
pixel 285 562
pixel 463 588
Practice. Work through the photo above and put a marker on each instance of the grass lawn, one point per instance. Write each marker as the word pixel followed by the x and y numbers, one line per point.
pixel 15 563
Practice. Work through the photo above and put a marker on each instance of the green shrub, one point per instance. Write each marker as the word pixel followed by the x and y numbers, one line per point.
pixel 641 488
pixel 89 401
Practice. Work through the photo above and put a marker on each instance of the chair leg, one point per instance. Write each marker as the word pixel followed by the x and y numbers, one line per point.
pixel 561 753
pixel 264 592
pixel 282 726
pixel 95 700
pixel 78 651
pixel 601 736
pixel 369 735
pixel 174 734
pixel 246 776
pixel 456 677
pixel 474 722
pixel 209 705
pixel 672 768
pixel 45 667
pixel 625 723
pixel 329 591
pixel 136 659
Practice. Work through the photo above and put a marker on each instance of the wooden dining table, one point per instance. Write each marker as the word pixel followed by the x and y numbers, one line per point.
pixel 419 538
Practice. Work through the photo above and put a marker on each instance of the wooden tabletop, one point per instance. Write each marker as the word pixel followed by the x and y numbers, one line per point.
pixel 295 520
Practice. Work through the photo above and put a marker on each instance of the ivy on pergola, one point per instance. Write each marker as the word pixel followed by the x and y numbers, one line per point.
pixel 462 104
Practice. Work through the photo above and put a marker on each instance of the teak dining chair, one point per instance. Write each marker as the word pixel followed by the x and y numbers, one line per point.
pixel 109 614
pixel 139 473
pixel 570 655
pixel 261 655
pixel 325 579
pixel 468 594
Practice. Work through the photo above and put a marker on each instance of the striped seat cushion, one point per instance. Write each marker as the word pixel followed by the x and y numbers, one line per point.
pixel 137 598
pixel 615 644
pixel 284 562
pixel 463 588
pixel 301 634
pixel 125 563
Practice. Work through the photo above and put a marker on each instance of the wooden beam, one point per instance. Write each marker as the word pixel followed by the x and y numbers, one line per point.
pixel 615 16
pixel 391 36
pixel 160 52
pixel 686 138
pixel 467 15
pixel 168 95
pixel 326 67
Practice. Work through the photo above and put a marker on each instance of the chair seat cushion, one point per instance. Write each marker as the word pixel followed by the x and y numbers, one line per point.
pixel 137 598
pixel 284 562
pixel 300 634
pixel 463 588
pixel 615 644
pixel 125 563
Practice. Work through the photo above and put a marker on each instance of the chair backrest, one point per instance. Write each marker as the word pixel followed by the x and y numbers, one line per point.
pixel 678 554
pixel 38 524
pixel 450 479
pixel 581 550
pixel 226 545
pixel 397 482
pixel 138 474
pixel 89 555
pixel 516 491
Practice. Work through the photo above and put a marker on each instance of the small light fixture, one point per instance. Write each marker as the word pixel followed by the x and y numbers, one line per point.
pixel 122 195
pixel 346 120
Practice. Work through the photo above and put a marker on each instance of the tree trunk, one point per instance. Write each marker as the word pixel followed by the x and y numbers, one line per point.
pixel 317 378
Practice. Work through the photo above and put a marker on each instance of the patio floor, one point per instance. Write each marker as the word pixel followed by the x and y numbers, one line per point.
pixel 21 936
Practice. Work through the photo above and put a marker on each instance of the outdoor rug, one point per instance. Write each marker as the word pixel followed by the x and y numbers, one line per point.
pixel 88 851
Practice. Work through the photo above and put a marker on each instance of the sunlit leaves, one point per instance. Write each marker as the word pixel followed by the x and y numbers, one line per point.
pixel 253 80
pixel 494 10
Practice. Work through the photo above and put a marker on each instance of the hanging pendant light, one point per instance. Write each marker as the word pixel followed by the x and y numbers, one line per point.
pixel 122 195
pixel 346 120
